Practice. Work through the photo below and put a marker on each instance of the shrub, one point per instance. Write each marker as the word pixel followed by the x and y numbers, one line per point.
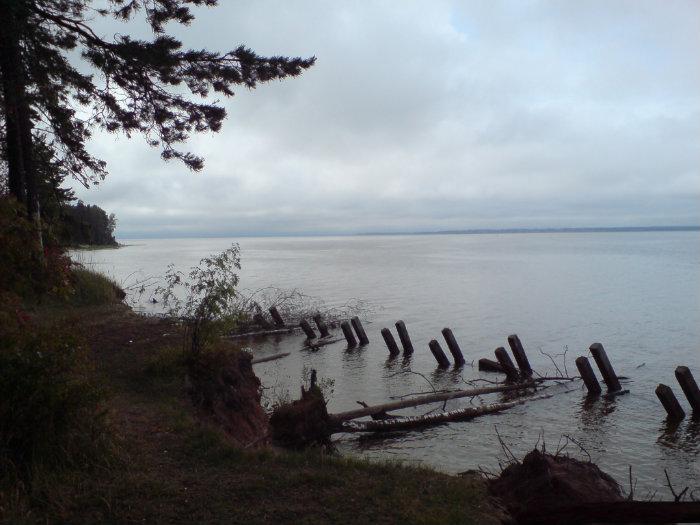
pixel 51 409
pixel 25 270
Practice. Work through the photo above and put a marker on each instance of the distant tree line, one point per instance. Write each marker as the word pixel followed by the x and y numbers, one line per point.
pixel 86 224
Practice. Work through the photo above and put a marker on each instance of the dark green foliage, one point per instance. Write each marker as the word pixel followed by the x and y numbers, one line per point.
pixel 51 411
pixel 86 224
pixel 23 272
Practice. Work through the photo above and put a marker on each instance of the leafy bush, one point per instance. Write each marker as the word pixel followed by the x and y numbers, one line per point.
pixel 51 409
pixel 25 270
pixel 205 298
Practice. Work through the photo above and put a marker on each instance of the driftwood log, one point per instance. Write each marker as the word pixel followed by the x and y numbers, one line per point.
pixel 406 423
pixel 265 359
pixel 423 400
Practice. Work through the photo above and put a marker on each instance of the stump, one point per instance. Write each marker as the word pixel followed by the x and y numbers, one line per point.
pixel 690 388
pixel 306 327
pixel 322 328
pixel 606 369
pixel 668 400
pixel 438 354
pixel 507 365
pixel 359 330
pixel 349 336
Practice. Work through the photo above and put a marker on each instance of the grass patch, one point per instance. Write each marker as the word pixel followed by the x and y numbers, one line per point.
pixel 91 288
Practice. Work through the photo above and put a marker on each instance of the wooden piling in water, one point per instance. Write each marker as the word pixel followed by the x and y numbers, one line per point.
pixel 306 327
pixel 669 401
pixel 390 342
pixel 276 317
pixel 507 364
pixel 690 388
pixel 588 376
pixel 349 336
pixel 405 339
pixel 488 365
pixel 359 330
pixel 321 325
pixel 606 369
pixel 519 353
pixel 452 344
pixel 438 354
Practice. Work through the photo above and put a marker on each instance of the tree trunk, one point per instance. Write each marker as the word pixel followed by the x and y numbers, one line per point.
pixel 9 73
pixel 18 121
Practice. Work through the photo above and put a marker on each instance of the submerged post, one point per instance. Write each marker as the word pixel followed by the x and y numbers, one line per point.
pixel 669 401
pixel 606 369
pixel 359 330
pixel 690 388
pixel 321 325
pixel 438 354
pixel 507 364
pixel 390 342
pixel 405 339
pixel 349 336
pixel 306 327
pixel 519 353
pixel 489 365
pixel 276 317
pixel 588 376
pixel 452 344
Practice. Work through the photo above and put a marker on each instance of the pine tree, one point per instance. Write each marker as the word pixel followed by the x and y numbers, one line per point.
pixel 153 87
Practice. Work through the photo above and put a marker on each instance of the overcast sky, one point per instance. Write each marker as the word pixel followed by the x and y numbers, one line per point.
pixel 424 116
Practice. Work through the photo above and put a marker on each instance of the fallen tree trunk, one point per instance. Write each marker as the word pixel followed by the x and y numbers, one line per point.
pixel 432 398
pixel 269 358
pixel 262 333
pixel 616 512
pixel 406 423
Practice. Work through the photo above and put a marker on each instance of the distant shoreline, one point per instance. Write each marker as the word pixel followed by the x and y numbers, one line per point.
pixel 475 231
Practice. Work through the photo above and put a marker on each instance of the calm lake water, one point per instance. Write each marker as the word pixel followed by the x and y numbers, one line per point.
pixel 636 293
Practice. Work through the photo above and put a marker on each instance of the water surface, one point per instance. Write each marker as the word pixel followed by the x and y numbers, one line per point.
pixel 636 293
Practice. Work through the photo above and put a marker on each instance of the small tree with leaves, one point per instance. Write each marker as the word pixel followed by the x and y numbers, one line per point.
pixel 205 298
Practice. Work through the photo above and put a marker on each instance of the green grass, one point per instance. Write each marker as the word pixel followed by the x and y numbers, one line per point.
pixel 174 466
pixel 91 288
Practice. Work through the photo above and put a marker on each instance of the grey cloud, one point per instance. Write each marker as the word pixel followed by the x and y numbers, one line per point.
pixel 435 115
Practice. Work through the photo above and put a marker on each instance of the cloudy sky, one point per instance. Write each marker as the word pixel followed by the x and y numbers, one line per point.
pixel 434 115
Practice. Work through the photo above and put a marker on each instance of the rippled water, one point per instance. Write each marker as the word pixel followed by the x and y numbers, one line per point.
pixel 636 293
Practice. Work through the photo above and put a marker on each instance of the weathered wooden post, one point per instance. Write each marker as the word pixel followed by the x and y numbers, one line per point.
pixel 690 387
pixel 321 325
pixel 588 376
pixel 276 317
pixel 306 327
pixel 489 365
pixel 405 339
pixel 519 353
pixel 455 350
pixel 359 330
pixel 261 321
pixel 507 364
pixel 606 369
pixel 390 342
pixel 438 354
pixel 349 336
pixel 669 401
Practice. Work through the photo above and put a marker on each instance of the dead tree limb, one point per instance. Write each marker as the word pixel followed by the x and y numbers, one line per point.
pixel 406 423
pixel 433 398
pixel 269 358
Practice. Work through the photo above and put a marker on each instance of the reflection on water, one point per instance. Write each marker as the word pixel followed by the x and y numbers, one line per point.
pixel 637 293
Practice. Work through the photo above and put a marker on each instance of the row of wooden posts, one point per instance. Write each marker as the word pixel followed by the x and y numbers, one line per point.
pixel 504 363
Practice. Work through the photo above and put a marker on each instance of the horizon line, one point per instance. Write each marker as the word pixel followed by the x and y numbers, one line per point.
pixel 468 231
